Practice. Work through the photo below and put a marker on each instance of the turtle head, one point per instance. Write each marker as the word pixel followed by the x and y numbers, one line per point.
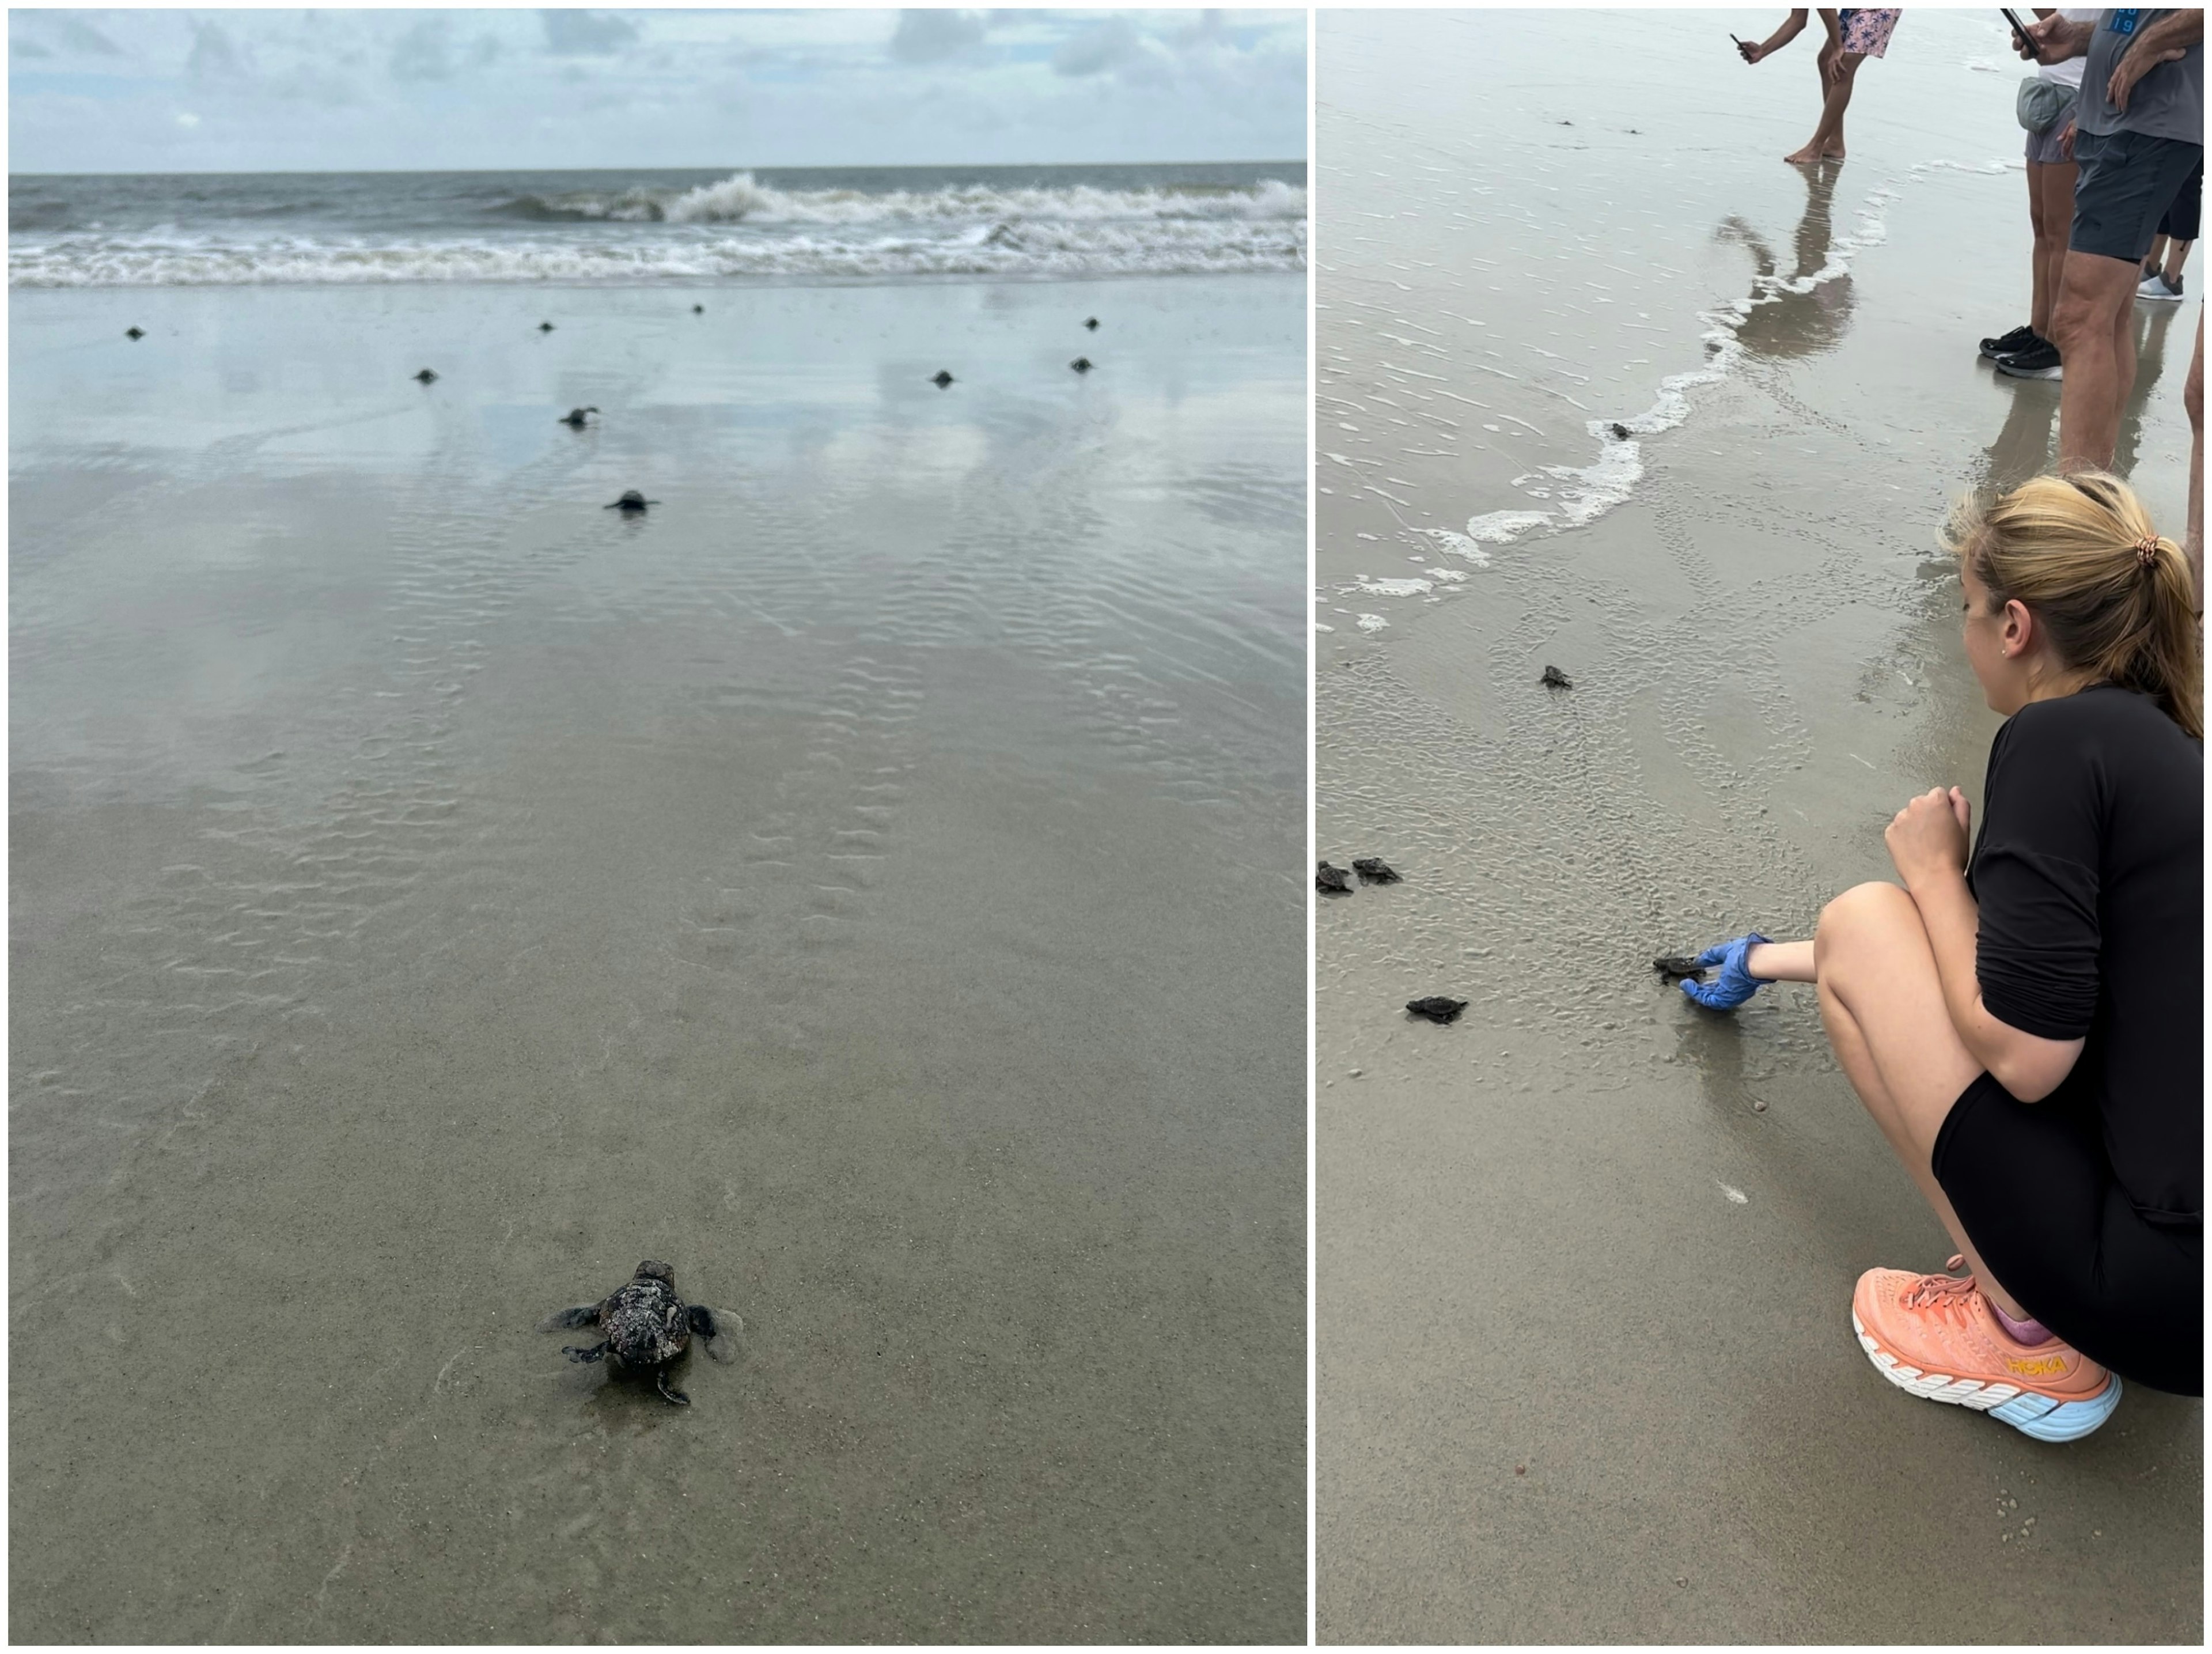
pixel 651 1270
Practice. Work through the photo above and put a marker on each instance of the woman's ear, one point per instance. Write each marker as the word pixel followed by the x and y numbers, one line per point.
pixel 2019 628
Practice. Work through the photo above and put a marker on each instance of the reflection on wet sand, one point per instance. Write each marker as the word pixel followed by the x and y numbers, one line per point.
pixel 2023 446
pixel 1797 314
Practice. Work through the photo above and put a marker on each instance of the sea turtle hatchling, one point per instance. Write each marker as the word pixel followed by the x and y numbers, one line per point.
pixel 426 376
pixel 545 327
pixel 1554 678
pixel 134 332
pixel 573 419
pixel 1082 364
pixel 631 501
pixel 648 1327
pixel 1374 870
pixel 1331 881
pixel 1675 966
pixel 940 379
pixel 1091 323
pixel 1437 1008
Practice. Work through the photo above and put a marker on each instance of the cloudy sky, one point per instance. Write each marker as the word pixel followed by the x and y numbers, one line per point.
pixel 307 91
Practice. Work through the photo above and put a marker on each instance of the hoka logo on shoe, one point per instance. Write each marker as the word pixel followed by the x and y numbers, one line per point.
pixel 2050 1366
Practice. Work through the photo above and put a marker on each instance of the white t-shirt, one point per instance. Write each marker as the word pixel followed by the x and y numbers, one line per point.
pixel 2069 72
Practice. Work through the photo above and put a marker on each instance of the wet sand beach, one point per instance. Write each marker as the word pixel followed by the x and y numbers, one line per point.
pixel 871 881
pixel 1584 1259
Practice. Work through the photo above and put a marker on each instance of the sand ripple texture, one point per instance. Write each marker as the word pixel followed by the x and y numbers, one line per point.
pixel 871 880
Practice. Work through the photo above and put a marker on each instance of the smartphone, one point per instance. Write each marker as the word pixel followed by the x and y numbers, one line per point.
pixel 2018 27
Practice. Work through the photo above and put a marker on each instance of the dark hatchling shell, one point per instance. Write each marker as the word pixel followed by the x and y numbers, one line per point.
pixel 134 332
pixel 645 1321
pixel 940 379
pixel 1675 966
pixel 426 376
pixel 1554 678
pixel 1082 364
pixel 1437 1008
pixel 1374 870
pixel 1331 881
pixel 1092 322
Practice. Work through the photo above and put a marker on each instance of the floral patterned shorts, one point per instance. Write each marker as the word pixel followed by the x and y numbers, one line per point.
pixel 1867 32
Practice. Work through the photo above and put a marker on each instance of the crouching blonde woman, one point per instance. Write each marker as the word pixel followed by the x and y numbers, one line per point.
pixel 2026 1024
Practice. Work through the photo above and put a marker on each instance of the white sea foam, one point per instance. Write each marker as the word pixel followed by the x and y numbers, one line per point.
pixel 735 228
pixel 1391 585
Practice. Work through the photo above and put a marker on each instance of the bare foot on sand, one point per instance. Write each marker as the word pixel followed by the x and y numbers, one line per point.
pixel 1808 154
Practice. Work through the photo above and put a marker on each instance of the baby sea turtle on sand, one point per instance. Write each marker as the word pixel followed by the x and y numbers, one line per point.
pixel 134 332
pixel 1437 1008
pixel 1619 431
pixel 631 501
pixel 1331 881
pixel 1675 966
pixel 940 379
pixel 545 327
pixel 1081 364
pixel 1554 678
pixel 1374 870
pixel 698 309
pixel 573 419
pixel 648 1327
pixel 425 376
pixel 1091 322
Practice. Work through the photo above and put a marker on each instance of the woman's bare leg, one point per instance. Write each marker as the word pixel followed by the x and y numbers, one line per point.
pixel 1882 1004
pixel 2052 186
pixel 1827 140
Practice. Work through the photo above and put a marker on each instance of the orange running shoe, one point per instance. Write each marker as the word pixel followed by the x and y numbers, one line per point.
pixel 1936 1337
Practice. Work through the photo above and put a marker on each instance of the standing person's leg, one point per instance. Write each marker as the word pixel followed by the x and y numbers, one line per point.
pixel 2155 257
pixel 1827 140
pixel 2090 324
pixel 2051 186
pixel 2177 254
pixel 2126 182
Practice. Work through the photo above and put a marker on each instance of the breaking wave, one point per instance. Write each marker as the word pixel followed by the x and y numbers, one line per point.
pixel 735 228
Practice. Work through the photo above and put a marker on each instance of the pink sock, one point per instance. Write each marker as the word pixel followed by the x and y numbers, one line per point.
pixel 2021 1332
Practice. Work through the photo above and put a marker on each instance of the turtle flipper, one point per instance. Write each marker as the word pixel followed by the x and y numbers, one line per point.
pixel 596 1353
pixel 660 1383
pixel 719 1328
pixel 584 1315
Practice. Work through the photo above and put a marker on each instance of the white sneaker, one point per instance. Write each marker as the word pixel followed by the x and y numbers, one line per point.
pixel 2153 286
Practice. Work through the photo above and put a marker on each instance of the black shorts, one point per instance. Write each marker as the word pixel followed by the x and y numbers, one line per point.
pixel 2181 218
pixel 2126 183
pixel 2032 1189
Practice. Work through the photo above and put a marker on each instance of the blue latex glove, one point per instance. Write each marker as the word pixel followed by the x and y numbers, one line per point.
pixel 1735 984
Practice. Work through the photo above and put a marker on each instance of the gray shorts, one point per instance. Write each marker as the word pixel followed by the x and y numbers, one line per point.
pixel 2043 146
pixel 2127 182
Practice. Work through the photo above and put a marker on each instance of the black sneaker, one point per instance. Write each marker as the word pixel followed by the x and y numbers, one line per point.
pixel 2038 360
pixel 2005 344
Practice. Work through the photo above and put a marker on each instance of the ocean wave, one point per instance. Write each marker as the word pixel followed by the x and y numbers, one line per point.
pixel 740 198
pixel 1058 250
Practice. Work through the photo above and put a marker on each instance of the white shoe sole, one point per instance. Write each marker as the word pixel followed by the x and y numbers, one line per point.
pixel 2043 1417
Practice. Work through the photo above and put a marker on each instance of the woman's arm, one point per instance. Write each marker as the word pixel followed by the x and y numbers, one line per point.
pixel 1781 962
pixel 1792 27
pixel 1928 842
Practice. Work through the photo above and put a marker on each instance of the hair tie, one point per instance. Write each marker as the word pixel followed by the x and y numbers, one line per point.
pixel 2147 551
